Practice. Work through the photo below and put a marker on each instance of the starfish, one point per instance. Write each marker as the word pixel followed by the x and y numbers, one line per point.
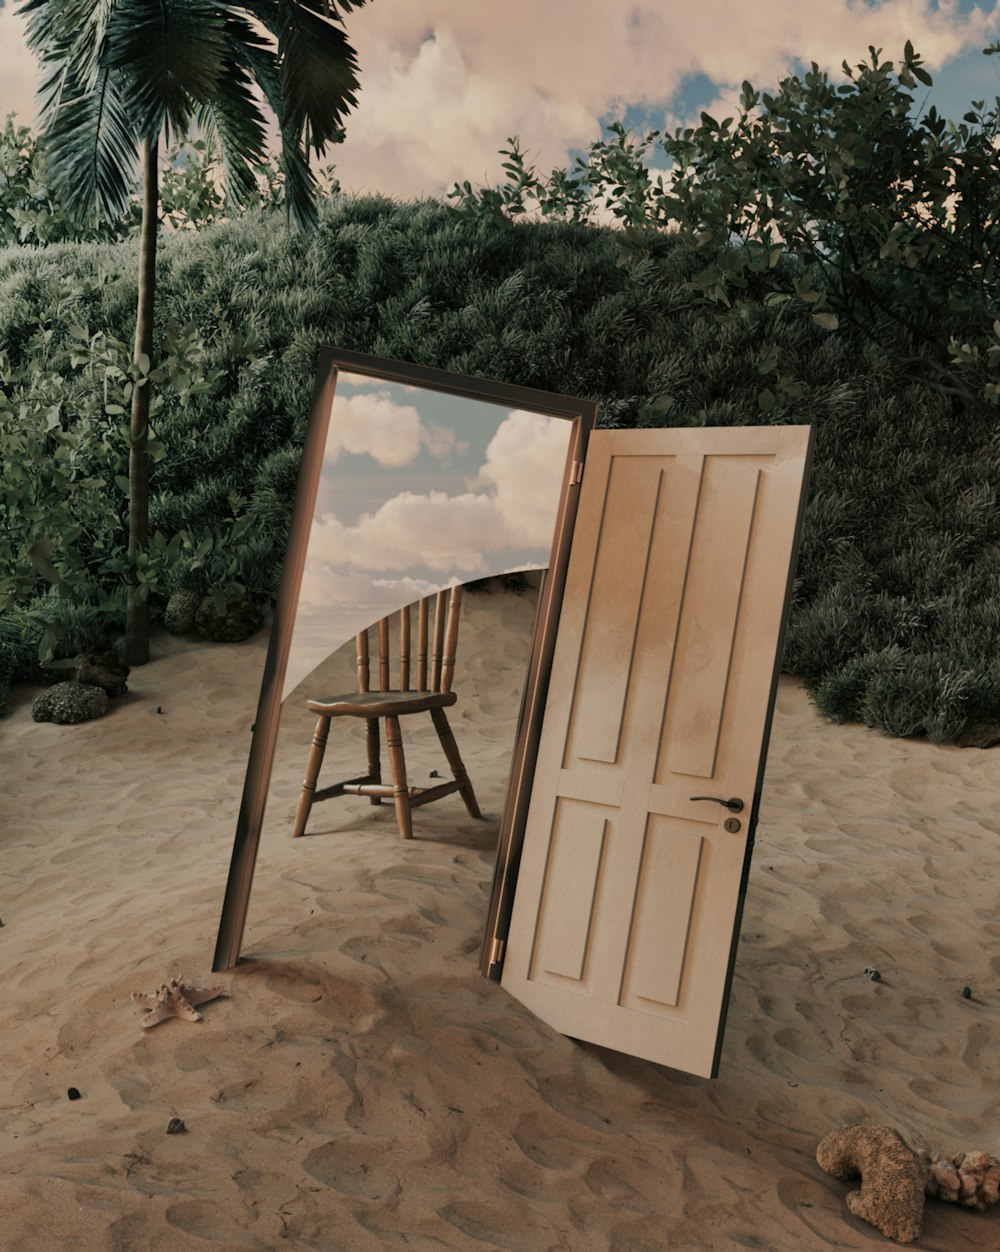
pixel 176 998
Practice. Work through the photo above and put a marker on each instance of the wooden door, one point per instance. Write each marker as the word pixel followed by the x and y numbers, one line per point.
pixel 629 891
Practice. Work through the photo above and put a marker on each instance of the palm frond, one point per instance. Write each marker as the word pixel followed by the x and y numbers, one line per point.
pixel 68 35
pixel 92 146
pixel 173 52
pixel 258 56
pixel 233 120
pixel 300 185
pixel 115 71
pixel 329 7
pixel 317 68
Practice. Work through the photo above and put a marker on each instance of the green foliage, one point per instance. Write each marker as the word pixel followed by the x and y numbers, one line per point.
pixel 191 193
pixel 30 210
pixel 63 434
pixel 126 72
pixel 890 220
pixel 897 600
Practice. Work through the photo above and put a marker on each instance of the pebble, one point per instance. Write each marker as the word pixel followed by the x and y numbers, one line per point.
pixel 175 1126
pixel 967 993
pixel 873 974
pixel 72 1094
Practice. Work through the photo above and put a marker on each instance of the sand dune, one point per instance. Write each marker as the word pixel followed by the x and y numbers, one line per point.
pixel 361 1087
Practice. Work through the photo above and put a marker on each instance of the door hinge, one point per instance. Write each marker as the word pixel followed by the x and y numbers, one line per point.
pixel 496 952
pixel 576 477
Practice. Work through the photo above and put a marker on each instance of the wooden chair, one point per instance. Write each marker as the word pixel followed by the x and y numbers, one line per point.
pixel 432 694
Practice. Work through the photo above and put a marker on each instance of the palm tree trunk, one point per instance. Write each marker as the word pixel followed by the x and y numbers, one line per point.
pixel 137 612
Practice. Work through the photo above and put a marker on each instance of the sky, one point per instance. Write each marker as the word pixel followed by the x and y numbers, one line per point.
pixel 445 82
pixel 419 489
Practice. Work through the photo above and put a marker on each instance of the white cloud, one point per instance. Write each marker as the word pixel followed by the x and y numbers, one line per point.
pixel 324 587
pixel 372 423
pixel 434 530
pixel 524 464
pixel 445 82
pixel 510 505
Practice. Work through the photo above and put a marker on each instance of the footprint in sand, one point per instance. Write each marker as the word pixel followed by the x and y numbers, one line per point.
pixel 362 1169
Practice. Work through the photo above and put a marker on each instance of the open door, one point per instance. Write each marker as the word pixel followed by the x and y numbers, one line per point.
pixel 640 825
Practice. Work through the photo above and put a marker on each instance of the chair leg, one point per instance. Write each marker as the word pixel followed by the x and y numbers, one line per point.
pixel 450 747
pixel 312 773
pixel 401 792
pixel 374 764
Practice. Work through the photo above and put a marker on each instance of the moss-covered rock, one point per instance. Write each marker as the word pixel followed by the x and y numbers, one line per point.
pixel 103 669
pixel 179 615
pixel 70 702
pixel 238 622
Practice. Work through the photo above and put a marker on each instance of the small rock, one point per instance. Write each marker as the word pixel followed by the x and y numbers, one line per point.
pixel 967 993
pixel 240 620
pixel 103 669
pixel 175 1126
pixel 70 702
pixel 72 1094
pixel 873 974
pixel 178 616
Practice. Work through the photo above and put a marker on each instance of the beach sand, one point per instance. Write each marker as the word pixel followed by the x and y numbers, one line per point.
pixel 362 1087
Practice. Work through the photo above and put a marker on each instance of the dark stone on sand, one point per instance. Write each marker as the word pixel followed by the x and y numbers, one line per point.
pixel 73 1094
pixel 70 702
pixel 103 669
pixel 239 621
pixel 979 735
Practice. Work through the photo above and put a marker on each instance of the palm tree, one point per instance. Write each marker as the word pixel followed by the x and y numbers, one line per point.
pixel 120 74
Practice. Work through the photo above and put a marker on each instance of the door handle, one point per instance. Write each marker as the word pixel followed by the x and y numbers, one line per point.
pixel 735 805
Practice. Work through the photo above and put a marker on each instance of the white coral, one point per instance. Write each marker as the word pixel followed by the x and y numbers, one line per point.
pixel 971 1179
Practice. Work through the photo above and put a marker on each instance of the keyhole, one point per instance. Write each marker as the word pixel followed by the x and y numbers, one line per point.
pixel 732 824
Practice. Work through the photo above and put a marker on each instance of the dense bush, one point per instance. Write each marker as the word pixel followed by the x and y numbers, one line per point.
pixel 895 611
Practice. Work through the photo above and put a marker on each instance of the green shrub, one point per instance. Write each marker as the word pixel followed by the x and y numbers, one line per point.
pixel 897 590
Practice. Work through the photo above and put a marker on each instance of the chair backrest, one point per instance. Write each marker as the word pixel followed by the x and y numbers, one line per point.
pixel 438 648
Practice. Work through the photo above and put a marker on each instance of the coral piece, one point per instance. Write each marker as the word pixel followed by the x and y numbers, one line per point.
pixel 239 621
pixel 176 998
pixel 892 1177
pixel 178 616
pixel 971 1179
pixel 70 702
pixel 103 669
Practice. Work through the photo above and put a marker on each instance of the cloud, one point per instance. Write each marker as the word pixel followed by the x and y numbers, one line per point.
pixel 433 530
pixel 445 82
pixel 524 463
pixel 333 606
pixel 510 505
pixel 372 423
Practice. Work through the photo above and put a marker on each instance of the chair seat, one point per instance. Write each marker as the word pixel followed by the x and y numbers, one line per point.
pixel 381 703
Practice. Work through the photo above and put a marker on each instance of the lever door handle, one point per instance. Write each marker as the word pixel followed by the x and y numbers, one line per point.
pixel 735 805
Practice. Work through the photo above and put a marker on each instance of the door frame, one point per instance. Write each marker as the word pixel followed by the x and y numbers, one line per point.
pixel 582 414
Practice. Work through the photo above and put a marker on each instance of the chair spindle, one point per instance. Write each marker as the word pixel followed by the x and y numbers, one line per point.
pixel 404 648
pixel 383 654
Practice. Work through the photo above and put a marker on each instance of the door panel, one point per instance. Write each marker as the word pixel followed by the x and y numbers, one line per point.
pixel 629 891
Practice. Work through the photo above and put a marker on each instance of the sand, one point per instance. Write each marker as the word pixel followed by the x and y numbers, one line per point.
pixel 362 1087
